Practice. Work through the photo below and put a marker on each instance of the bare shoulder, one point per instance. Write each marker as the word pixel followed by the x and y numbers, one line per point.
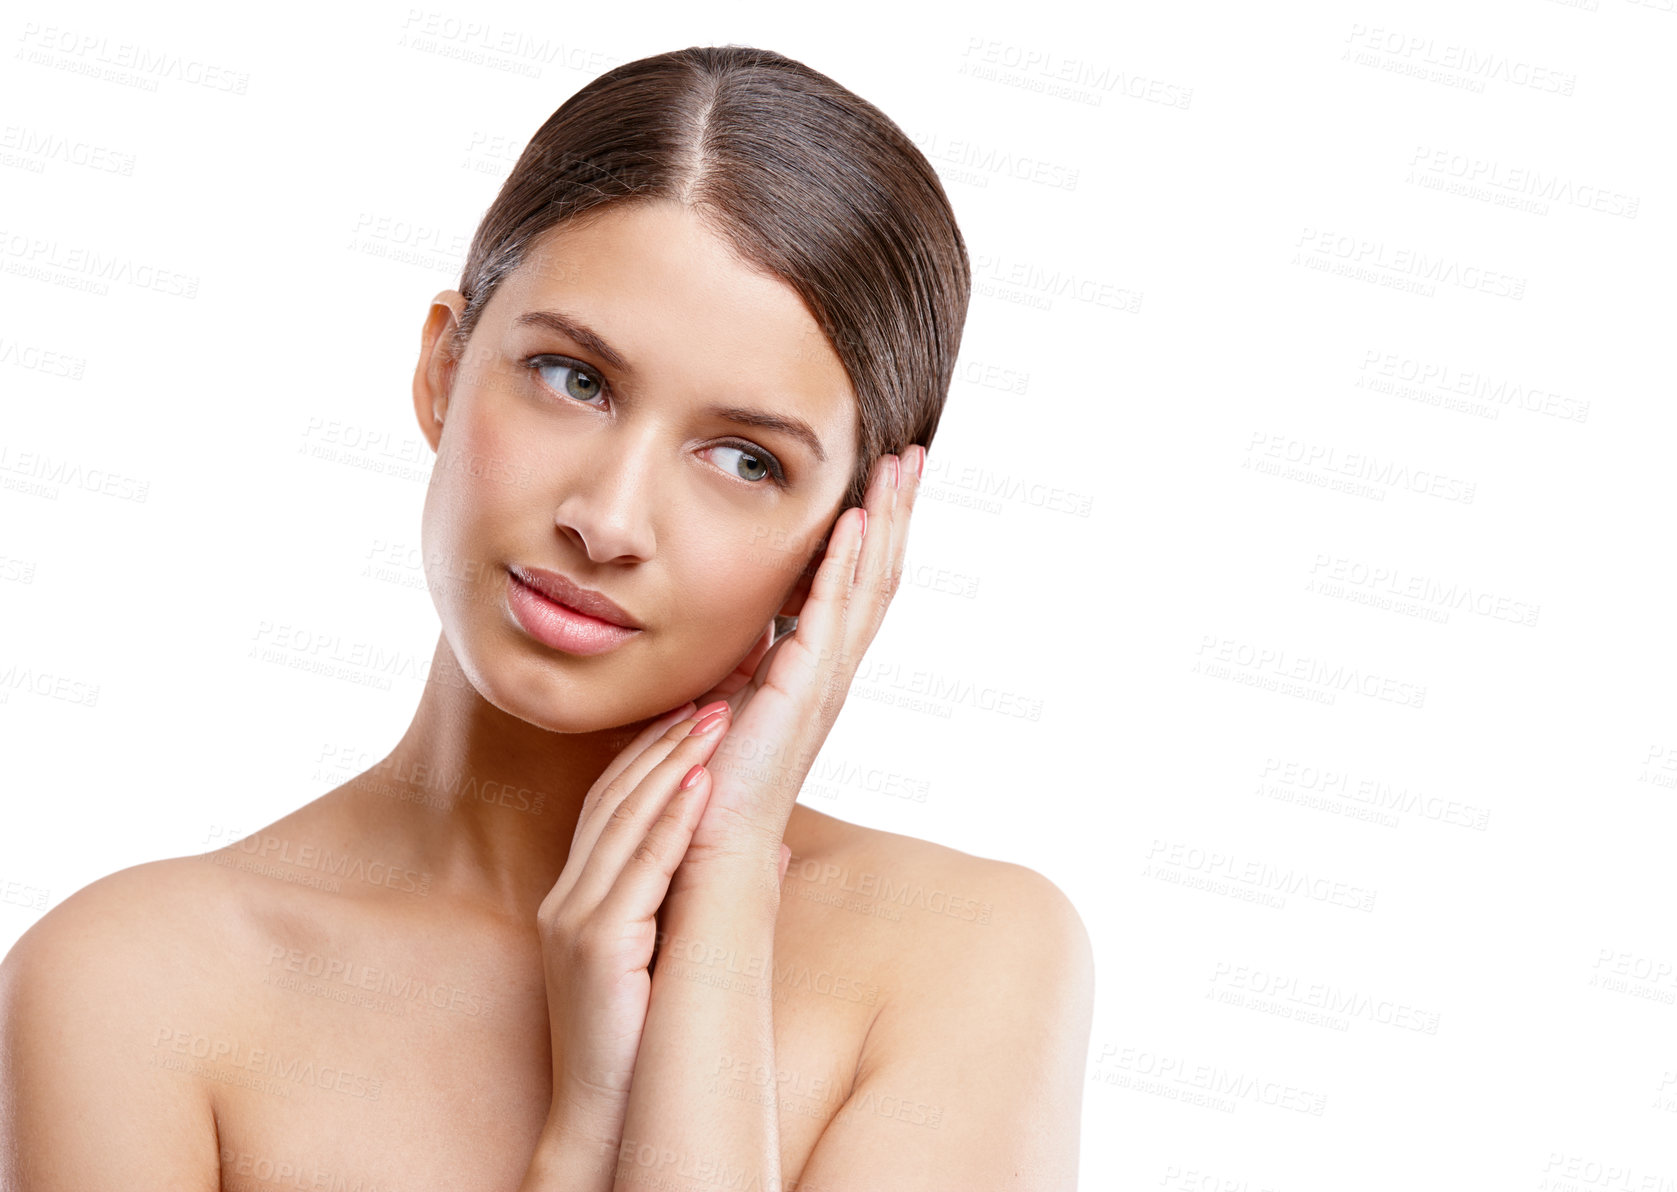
pixel 90 999
pixel 982 1034
pixel 125 951
pixel 157 912
pixel 930 888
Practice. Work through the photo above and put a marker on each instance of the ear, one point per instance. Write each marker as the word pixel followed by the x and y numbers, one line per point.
pixel 433 376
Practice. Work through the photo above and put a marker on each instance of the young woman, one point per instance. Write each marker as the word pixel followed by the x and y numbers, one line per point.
pixel 575 932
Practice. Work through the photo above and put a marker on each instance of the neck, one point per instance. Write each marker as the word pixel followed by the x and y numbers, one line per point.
pixel 483 801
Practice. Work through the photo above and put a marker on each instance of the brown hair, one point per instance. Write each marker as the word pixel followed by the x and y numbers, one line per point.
pixel 806 180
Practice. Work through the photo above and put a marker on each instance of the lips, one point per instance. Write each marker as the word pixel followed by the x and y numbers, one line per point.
pixel 562 590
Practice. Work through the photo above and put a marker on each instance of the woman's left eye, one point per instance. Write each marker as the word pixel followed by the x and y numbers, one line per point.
pixel 583 384
pixel 751 464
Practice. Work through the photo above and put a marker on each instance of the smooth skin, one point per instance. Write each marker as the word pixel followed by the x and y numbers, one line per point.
pixel 490 953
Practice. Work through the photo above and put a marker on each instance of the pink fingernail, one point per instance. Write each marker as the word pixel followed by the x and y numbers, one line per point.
pixel 708 723
pixel 692 779
pixel 709 708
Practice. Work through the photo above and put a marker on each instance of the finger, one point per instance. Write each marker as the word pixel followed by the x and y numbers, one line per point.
pixel 643 882
pixel 606 796
pixel 741 699
pixel 821 621
pixel 914 470
pixel 880 561
pixel 635 768
pixel 751 664
pixel 642 740
pixel 626 827
pixel 902 516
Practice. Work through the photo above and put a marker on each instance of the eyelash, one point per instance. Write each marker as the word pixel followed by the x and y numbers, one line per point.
pixel 542 360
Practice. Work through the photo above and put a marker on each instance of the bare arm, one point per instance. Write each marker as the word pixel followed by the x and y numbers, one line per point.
pixel 971 1077
pixel 712 997
pixel 598 930
pixel 91 1099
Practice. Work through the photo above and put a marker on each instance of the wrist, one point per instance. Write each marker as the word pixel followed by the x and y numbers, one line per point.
pixel 570 1155
pixel 583 1110
pixel 743 882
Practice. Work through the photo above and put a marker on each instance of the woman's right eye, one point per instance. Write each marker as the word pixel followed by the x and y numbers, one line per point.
pixel 582 383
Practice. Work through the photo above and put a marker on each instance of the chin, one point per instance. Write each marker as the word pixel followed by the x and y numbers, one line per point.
pixel 563 694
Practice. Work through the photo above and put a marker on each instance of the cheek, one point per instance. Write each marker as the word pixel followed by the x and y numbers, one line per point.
pixel 729 578
pixel 490 446
pixel 717 579
pixel 776 553
pixel 479 484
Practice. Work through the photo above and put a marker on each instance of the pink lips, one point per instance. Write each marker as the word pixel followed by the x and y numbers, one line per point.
pixel 560 613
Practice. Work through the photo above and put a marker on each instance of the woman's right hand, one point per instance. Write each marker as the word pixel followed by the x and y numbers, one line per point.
pixel 599 930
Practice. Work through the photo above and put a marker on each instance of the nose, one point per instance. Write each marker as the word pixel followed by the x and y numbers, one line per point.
pixel 607 508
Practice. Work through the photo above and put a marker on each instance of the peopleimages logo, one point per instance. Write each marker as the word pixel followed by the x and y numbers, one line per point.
pixel 1288 995
pixel 1257 874
pixel 236 1058
pixel 1430 380
pixel 1178 1079
pixel 1077 79
pixel 1332 573
pixel 1443 61
pixel 353 975
pixel 122 61
pixel 1277 670
pixel 1399 266
pixel 1274 453
pixel 266 850
pixel 78 267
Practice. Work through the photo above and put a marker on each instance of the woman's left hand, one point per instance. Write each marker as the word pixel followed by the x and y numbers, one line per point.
pixel 785 696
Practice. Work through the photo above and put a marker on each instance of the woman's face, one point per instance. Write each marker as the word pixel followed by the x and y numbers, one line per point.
pixel 624 415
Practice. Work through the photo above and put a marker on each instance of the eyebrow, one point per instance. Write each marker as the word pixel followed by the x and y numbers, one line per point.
pixel 796 427
pixel 564 324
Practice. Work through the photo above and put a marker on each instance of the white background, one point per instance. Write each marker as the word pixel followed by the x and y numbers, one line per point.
pixel 1270 299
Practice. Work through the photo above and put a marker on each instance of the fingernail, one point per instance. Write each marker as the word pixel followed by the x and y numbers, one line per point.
pixel 709 708
pixel 692 779
pixel 708 723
